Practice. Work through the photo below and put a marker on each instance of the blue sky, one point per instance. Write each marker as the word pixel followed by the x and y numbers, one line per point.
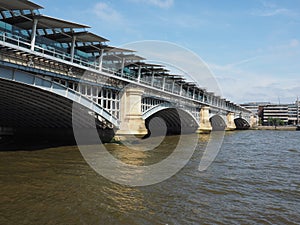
pixel 252 46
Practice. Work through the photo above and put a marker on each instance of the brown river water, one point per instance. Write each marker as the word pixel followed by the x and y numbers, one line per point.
pixel 255 179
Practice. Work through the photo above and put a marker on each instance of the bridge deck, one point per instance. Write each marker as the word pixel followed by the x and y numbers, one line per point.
pixel 50 53
pixel 80 67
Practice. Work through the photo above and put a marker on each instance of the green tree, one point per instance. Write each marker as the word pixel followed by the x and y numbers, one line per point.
pixel 281 123
pixel 275 122
pixel 270 121
pixel 259 121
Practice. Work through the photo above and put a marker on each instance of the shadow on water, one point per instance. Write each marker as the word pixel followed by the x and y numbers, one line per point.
pixel 38 139
pixel 12 143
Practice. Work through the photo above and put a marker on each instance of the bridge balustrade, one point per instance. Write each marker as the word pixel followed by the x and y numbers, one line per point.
pixel 16 36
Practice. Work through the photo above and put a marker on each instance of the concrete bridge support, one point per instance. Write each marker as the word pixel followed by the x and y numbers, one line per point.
pixel 205 125
pixel 131 119
pixel 230 121
pixel 253 121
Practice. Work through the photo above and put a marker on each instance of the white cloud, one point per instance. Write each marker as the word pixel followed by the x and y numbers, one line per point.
pixel 251 80
pixel 274 12
pixel 287 48
pixel 183 20
pixel 242 86
pixel 159 3
pixel 270 9
pixel 106 13
pixel 241 62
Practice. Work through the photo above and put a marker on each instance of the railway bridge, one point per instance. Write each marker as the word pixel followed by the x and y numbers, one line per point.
pixel 56 75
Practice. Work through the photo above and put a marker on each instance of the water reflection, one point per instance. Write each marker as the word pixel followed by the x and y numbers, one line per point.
pixel 128 200
pixel 254 180
pixel 138 156
pixel 140 169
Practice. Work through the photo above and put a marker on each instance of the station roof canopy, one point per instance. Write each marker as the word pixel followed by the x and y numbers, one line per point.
pixel 120 57
pixel 201 89
pixel 111 49
pixel 148 67
pixel 181 81
pixel 144 64
pixel 44 22
pixel 150 70
pixel 191 84
pixel 159 70
pixel 83 36
pixel 178 77
pixel 99 47
pixel 18 5
pixel 210 93
pixel 168 75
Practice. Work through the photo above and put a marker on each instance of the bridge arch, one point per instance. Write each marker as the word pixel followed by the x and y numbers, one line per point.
pixel 241 124
pixel 217 123
pixel 28 87
pixel 166 118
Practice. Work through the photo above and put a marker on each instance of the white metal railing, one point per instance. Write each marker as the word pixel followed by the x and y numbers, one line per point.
pixel 51 51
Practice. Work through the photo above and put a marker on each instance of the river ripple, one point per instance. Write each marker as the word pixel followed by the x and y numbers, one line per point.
pixel 255 179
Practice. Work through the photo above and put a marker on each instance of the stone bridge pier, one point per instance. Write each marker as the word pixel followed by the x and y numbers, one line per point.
pixel 230 121
pixel 131 121
pixel 209 122
pixel 134 122
pixel 204 125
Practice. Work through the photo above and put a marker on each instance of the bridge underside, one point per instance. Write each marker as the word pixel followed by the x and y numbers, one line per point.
pixel 170 121
pixel 217 123
pixel 33 113
pixel 241 124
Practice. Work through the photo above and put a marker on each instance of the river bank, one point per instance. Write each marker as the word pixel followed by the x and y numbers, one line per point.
pixel 287 128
